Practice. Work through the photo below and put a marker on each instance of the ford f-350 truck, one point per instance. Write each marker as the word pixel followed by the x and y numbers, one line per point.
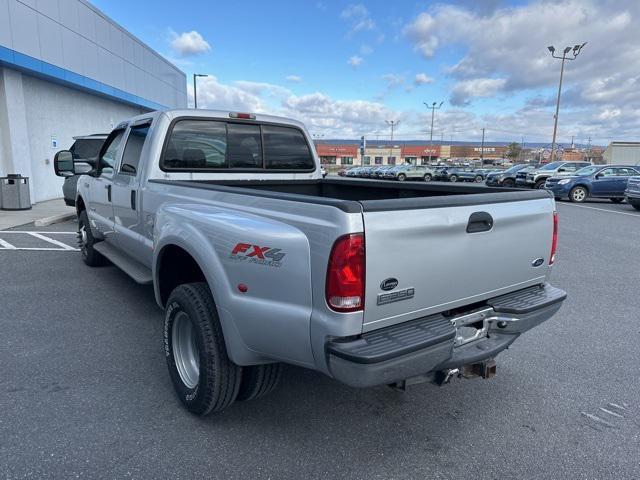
pixel 258 261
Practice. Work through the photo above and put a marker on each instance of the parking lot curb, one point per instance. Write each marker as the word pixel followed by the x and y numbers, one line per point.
pixel 61 217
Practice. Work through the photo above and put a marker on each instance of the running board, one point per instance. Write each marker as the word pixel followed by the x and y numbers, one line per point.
pixel 124 262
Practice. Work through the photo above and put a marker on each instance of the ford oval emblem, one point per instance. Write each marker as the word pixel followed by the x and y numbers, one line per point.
pixel 537 262
pixel 389 284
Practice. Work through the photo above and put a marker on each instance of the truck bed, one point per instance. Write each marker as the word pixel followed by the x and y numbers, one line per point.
pixel 367 195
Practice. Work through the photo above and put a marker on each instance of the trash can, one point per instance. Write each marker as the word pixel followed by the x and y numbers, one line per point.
pixel 14 192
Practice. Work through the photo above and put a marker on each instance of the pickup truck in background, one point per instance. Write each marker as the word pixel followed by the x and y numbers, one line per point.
pixel 258 261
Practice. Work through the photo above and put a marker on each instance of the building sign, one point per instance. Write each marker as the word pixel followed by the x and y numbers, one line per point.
pixel 474 151
pixel 420 151
pixel 327 150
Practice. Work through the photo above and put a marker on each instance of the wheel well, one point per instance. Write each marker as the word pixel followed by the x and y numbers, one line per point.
pixel 580 185
pixel 176 267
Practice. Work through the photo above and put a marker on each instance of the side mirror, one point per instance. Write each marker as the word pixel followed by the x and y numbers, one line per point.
pixel 562 170
pixel 63 164
pixel 599 176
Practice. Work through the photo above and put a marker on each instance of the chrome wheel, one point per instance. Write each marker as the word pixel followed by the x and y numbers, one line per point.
pixel 82 237
pixel 185 350
pixel 578 194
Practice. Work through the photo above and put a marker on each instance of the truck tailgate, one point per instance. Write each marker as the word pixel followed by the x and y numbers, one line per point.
pixel 441 262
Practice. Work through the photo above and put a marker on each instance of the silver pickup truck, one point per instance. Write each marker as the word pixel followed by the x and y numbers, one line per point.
pixel 258 261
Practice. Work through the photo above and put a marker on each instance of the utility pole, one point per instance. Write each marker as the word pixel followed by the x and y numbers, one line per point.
pixel 433 111
pixel 482 149
pixel 195 93
pixel 576 51
pixel 441 138
pixel 572 137
pixel 589 150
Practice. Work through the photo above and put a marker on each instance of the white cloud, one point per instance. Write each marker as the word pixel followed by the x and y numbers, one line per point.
pixel 293 78
pixel 422 79
pixel 358 18
pixel 509 43
pixel 475 88
pixel 393 80
pixel 366 50
pixel 189 43
pixel 355 61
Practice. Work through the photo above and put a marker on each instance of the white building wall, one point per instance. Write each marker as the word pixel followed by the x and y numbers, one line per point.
pixel 46 112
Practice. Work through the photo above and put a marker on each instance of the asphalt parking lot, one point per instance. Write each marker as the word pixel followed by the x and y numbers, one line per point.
pixel 84 389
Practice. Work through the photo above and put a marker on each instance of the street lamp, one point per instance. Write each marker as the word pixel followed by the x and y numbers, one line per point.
pixel 575 52
pixel 393 124
pixel 433 111
pixel 195 94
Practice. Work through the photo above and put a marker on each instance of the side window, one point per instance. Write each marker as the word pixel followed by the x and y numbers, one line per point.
pixel 109 157
pixel 286 149
pixel 569 167
pixel 607 172
pixel 626 172
pixel 133 149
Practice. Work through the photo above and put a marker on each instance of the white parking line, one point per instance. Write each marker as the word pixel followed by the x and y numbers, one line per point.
pixel 60 246
pixel 6 245
pixel 600 209
pixel 51 240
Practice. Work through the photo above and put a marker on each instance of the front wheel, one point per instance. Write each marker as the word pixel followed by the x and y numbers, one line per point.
pixel 540 184
pixel 616 199
pixel 578 194
pixel 427 177
pixel 478 178
pixel 203 376
pixel 508 183
pixel 453 178
pixel 86 240
pixel 402 177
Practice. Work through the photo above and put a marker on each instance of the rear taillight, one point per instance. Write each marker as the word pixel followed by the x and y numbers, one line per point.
pixel 554 241
pixel 345 274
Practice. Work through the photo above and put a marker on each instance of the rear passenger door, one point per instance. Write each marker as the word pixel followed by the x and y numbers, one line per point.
pixel 126 185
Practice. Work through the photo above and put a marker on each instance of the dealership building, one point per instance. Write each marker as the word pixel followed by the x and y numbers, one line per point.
pixel 622 153
pixel 66 70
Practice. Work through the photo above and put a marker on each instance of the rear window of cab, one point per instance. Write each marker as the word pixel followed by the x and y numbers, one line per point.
pixel 212 145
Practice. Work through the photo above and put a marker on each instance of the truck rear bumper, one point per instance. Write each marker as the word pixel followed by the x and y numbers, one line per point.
pixel 428 345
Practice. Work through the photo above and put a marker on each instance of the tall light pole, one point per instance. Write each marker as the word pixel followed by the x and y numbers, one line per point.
pixel 576 51
pixel 195 93
pixel 393 124
pixel 433 111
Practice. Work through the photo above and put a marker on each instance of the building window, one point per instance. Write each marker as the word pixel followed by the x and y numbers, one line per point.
pixel 367 160
pixel 346 161
pixel 378 160
pixel 411 160
pixel 426 160
pixel 391 160
pixel 328 160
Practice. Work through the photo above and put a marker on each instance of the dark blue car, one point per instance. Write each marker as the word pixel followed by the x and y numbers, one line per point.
pixel 598 181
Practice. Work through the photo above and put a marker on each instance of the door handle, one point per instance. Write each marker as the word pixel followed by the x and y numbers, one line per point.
pixel 133 199
pixel 479 222
pixel 108 187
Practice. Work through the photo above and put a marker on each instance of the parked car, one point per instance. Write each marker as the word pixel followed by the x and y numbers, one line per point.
pixel 507 178
pixel 353 172
pixel 458 174
pixel 632 193
pixel 85 150
pixel 536 178
pixel 597 181
pixel 258 268
pixel 381 172
pixel 410 172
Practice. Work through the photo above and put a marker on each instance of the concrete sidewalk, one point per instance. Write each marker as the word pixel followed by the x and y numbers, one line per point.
pixel 50 211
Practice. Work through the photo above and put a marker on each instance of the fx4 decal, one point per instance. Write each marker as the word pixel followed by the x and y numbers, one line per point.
pixel 246 252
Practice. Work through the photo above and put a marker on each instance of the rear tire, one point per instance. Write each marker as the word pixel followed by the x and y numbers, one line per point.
pixel 616 199
pixel 427 177
pixel 636 206
pixel 87 241
pixel 259 380
pixel 479 178
pixel 578 194
pixel 453 178
pixel 204 377
pixel 402 177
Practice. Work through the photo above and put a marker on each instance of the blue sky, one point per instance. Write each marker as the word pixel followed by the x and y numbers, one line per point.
pixel 345 67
